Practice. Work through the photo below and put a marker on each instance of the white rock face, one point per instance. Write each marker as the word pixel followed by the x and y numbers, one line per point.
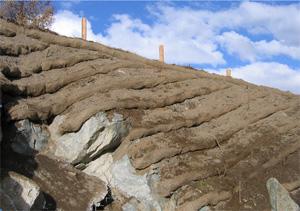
pixel 121 175
pixel 130 206
pixel 100 167
pixel 125 179
pixel 20 193
pixel 95 136
pixel 279 197
pixel 87 149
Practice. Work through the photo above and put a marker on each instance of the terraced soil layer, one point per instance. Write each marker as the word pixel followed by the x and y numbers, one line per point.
pixel 212 140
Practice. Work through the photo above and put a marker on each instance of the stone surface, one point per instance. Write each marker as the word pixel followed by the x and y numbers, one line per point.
pixel 120 175
pixel 205 208
pixel 20 193
pixel 99 167
pixel 29 138
pixel 123 178
pixel 130 206
pixel 94 137
pixel 69 187
pixel 279 197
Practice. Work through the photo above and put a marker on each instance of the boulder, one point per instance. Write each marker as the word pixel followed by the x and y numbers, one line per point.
pixel 131 205
pixel 20 193
pixel 205 208
pixel 29 138
pixel 279 197
pixel 99 167
pixel 94 137
pixel 70 188
pixel 122 176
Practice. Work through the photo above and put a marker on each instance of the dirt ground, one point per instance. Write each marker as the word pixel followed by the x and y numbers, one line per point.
pixel 213 140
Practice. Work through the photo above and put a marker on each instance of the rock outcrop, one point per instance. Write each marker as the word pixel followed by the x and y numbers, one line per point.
pixel 20 193
pixel 279 197
pixel 96 136
pixel 97 127
pixel 29 138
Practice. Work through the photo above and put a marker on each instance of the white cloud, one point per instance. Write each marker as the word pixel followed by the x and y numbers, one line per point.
pixel 270 74
pixel 282 22
pixel 192 36
pixel 93 18
pixel 67 23
pixel 81 13
pixel 237 44
pixel 248 50
pixel 68 4
pixel 134 35
pixel 275 48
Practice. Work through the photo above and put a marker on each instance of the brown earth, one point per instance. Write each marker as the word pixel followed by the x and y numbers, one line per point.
pixel 214 140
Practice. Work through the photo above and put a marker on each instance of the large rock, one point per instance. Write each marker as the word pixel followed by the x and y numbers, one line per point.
pixel 122 176
pixel 20 193
pixel 100 167
pixel 94 137
pixel 132 205
pixel 279 197
pixel 69 187
pixel 29 138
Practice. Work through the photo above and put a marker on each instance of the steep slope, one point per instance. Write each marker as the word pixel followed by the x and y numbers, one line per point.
pixel 161 137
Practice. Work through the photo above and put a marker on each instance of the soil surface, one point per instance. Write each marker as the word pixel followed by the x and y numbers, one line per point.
pixel 213 140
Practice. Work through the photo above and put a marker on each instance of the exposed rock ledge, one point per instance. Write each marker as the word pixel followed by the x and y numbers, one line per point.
pixel 20 193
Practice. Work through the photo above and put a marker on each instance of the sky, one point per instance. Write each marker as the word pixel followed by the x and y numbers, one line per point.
pixel 259 41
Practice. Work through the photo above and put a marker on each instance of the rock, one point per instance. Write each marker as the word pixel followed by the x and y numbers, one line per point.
pixel 99 167
pixel 120 175
pixel 95 136
pixel 279 197
pixel 205 208
pixel 29 138
pixel 69 187
pixel 131 205
pixel 123 177
pixel 20 193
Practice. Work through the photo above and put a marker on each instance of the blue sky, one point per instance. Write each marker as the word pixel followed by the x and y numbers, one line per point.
pixel 258 41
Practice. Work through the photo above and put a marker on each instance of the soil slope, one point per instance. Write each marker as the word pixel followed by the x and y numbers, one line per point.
pixel 213 140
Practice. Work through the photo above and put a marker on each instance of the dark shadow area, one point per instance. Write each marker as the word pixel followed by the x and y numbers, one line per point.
pixel 50 202
pixel 108 199
pixel 20 163
pixel 11 72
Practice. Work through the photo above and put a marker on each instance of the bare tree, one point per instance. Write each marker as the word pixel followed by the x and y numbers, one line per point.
pixel 39 13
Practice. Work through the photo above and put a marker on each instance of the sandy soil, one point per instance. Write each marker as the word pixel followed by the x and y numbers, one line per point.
pixel 214 140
